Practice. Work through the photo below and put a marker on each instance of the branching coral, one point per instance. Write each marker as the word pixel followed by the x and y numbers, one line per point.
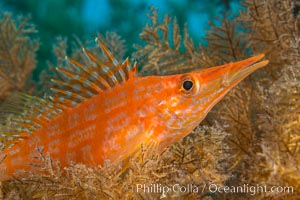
pixel 17 53
pixel 280 126
pixel 162 53
pixel 261 114
pixel 271 27
pixel 225 42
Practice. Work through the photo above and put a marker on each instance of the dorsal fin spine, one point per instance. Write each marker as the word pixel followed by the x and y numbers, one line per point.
pixel 107 52
pixel 74 76
pixel 102 84
pixel 112 60
pixel 69 95
pixel 125 66
pixel 122 71
pixel 77 88
pixel 67 102
pixel 132 71
pixel 106 71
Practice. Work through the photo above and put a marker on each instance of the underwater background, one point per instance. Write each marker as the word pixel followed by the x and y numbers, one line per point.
pixel 251 137
pixel 85 18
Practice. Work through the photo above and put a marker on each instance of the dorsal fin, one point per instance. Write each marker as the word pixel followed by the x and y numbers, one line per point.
pixel 83 81
pixel 21 114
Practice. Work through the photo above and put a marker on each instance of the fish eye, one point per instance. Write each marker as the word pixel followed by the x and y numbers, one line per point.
pixel 187 85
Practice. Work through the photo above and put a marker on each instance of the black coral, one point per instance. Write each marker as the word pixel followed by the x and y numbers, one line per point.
pixel 166 50
pixel 17 53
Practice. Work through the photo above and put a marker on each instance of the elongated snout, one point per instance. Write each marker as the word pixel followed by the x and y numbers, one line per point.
pixel 229 75
pixel 215 82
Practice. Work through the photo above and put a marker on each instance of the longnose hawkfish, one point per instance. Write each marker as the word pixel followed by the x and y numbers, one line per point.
pixel 105 112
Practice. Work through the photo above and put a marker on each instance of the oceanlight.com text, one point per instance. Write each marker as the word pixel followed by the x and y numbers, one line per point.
pixel 249 189
pixel 212 188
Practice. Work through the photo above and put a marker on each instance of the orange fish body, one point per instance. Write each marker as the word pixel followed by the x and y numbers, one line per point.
pixel 124 112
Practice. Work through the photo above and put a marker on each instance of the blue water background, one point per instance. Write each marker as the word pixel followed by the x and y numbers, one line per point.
pixel 84 18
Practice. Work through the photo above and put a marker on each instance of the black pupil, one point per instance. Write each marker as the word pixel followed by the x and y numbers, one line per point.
pixel 187 85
